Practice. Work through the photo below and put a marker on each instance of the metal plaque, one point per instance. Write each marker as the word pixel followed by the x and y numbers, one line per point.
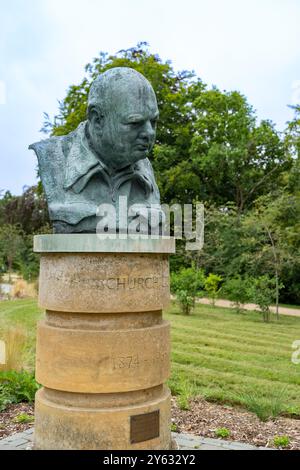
pixel 144 427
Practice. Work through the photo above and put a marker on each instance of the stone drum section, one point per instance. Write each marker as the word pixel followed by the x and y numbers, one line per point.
pixel 103 348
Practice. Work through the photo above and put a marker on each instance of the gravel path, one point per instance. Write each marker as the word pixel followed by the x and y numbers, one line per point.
pixel 228 304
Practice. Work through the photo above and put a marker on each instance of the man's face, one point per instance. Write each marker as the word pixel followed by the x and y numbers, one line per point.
pixel 128 130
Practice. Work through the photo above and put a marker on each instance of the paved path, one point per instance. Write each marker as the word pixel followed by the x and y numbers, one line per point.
pixel 23 441
pixel 228 304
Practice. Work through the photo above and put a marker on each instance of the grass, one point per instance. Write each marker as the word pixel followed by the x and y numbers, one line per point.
pixel 281 441
pixel 216 353
pixel 15 340
pixel 235 359
pixel 18 319
pixel 222 433
pixel 23 418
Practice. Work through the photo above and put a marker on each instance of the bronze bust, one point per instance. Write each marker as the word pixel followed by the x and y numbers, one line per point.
pixel 105 157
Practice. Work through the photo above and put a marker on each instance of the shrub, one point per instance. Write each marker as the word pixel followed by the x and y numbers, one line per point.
pixel 16 387
pixel 263 293
pixel 211 285
pixel 237 290
pixel 187 284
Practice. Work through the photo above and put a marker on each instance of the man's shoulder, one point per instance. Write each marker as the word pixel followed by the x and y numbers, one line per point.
pixel 52 155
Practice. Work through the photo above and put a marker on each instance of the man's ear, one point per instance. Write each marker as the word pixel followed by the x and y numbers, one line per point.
pixel 95 117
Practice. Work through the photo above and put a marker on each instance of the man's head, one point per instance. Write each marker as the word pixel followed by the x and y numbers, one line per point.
pixel 122 115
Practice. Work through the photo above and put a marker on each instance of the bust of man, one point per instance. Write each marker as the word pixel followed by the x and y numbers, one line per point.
pixel 105 157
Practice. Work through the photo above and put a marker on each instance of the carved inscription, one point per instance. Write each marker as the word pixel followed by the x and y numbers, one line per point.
pixel 119 283
pixel 135 361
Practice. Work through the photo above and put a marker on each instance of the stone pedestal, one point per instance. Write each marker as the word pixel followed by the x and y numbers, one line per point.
pixel 103 350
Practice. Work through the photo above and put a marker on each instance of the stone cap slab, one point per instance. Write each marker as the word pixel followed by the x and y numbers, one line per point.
pixel 94 243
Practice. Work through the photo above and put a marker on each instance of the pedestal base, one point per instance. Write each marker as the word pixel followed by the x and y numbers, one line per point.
pixel 103 350
pixel 82 421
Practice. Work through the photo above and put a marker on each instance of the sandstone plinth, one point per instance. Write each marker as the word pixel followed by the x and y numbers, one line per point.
pixel 103 349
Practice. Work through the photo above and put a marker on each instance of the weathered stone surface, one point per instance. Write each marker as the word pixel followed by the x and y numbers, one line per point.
pixel 98 361
pixel 103 350
pixel 104 282
pixel 60 426
pixel 91 243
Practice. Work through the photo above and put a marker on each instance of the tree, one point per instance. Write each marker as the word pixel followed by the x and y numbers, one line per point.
pixel 292 134
pixel 237 289
pixel 235 158
pixel 272 229
pixel 262 293
pixel 29 210
pixel 187 284
pixel 11 243
pixel 211 286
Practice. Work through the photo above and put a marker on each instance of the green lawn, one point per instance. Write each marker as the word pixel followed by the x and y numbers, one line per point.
pixel 235 358
pixel 216 353
pixel 21 314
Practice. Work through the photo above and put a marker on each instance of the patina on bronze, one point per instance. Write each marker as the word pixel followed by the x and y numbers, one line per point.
pixel 105 157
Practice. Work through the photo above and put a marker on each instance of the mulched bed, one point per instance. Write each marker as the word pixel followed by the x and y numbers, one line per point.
pixel 202 419
pixel 7 424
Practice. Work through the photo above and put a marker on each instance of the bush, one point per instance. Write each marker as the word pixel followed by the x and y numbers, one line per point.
pixel 263 293
pixel 211 285
pixel 237 290
pixel 187 284
pixel 16 387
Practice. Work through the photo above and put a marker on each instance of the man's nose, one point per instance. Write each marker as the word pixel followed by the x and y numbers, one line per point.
pixel 147 132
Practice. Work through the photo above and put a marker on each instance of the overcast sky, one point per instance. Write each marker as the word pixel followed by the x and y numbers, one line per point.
pixel 247 45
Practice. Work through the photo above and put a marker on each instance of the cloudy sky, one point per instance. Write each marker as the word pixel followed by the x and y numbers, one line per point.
pixel 247 45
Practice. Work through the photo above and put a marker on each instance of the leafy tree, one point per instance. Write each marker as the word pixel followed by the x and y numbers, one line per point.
pixel 187 284
pixel 235 159
pixel 272 231
pixel 262 293
pixel 211 286
pixel 29 210
pixel 292 134
pixel 237 289
pixel 11 244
